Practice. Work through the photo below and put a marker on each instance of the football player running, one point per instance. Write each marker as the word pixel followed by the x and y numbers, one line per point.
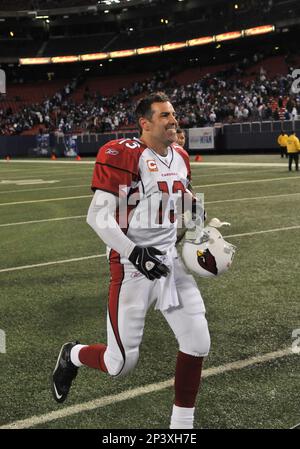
pixel 147 175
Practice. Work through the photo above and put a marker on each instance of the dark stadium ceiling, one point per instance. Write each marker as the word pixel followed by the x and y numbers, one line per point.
pixel 70 18
pixel 34 8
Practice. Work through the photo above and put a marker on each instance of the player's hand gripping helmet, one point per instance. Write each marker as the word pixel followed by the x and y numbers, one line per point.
pixel 209 255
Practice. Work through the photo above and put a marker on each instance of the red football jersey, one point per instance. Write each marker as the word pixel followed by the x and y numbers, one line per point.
pixel 150 188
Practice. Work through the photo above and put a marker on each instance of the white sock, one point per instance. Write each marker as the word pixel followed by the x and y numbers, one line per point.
pixel 74 355
pixel 182 418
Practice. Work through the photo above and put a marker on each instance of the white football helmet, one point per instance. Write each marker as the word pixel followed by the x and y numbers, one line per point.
pixel 209 255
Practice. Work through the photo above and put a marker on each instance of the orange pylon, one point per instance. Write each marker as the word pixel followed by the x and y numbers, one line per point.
pixel 7 158
pixel 53 157
pixel 78 158
pixel 198 158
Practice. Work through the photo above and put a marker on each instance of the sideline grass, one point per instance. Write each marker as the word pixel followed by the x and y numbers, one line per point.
pixel 252 309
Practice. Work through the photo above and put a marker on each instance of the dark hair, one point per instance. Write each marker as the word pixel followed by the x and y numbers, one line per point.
pixel 143 107
pixel 180 130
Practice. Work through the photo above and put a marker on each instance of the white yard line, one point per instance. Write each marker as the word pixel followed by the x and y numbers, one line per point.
pixel 202 185
pixel 236 173
pixel 263 232
pixel 250 198
pixel 140 391
pixel 286 178
pixel 57 262
pixel 5 270
pixel 207 202
pixel 71 174
pixel 39 169
pixel 41 221
pixel 88 185
pixel 241 164
pixel 23 161
pixel 194 164
pixel 30 177
pixel 46 200
pixel 44 188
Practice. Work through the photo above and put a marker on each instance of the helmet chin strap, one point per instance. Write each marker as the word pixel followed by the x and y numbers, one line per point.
pixel 216 223
pixel 198 234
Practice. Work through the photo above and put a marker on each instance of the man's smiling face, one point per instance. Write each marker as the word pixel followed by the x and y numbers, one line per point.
pixel 162 125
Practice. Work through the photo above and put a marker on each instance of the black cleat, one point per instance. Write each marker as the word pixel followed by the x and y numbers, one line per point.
pixel 64 373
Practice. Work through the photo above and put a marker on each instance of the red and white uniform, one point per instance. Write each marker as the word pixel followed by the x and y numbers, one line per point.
pixel 145 177
pixel 149 184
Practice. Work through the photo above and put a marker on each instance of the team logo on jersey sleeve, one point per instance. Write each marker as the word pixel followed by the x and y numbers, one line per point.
pixel 152 165
pixel 112 152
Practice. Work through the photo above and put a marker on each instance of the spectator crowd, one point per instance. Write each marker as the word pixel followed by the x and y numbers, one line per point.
pixel 226 96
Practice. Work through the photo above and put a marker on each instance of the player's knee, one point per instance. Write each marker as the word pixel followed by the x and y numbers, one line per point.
pixel 121 365
pixel 197 341
pixel 129 363
pixel 131 359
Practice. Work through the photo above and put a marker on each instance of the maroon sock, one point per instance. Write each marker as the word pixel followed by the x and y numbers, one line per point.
pixel 187 379
pixel 93 356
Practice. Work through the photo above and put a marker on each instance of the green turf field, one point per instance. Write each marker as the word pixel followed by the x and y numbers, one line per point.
pixel 252 310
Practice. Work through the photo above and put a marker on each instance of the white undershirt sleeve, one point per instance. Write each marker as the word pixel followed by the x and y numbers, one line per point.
pixel 101 217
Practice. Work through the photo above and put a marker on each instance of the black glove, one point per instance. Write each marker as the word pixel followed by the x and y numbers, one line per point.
pixel 145 261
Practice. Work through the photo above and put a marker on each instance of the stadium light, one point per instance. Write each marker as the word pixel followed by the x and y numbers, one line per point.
pixel 229 36
pixel 153 49
pixel 62 59
pixel 122 53
pixel 30 61
pixel 259 30
pixel 108 2
pixel 200 41
pixel 174 46
pixel 148 50
pixel 93 56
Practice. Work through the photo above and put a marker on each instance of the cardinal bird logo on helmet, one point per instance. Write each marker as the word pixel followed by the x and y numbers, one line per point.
pixel 207 261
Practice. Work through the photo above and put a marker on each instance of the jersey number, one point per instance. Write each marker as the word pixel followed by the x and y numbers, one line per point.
pixel 129 144
pixel 164 188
